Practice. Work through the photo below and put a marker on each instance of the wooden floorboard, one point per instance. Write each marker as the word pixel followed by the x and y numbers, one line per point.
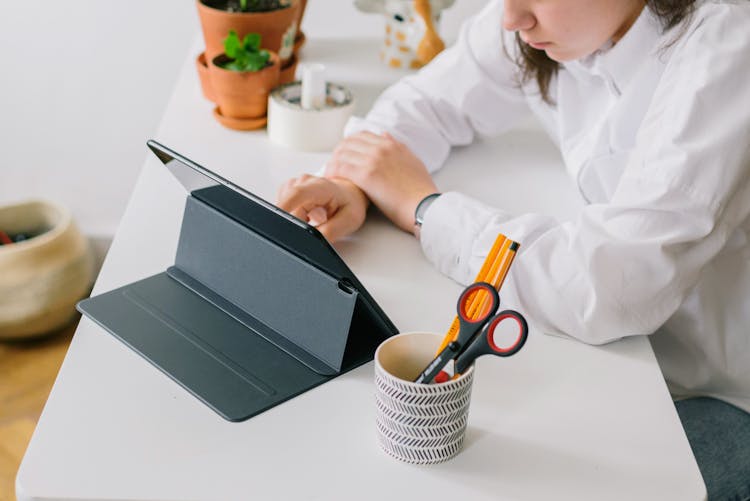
pixel 27 371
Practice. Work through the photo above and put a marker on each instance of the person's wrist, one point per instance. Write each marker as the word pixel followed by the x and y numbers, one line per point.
pixel 353 189
pixel 420 210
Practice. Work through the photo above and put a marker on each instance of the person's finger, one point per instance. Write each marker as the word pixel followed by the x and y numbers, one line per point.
pixel 349 164
pixel 317 216
pixel 300 207
pixel 369 143
pixel 300 213
pixel 362 142
pixel 281 193
pixel 343 223
pixel 368 137
pixel 348 146
pixel 300 193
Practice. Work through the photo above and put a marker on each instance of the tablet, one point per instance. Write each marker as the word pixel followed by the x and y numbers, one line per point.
pixel 257 308
pixel 294 235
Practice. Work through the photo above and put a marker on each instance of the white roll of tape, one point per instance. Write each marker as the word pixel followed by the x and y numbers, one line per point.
pixel 291 125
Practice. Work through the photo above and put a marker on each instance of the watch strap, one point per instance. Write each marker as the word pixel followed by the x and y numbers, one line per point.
pixel 421 210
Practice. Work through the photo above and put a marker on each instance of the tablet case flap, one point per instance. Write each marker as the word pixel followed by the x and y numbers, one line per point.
pixel 226 364
pixel 301 303
pixel 238 321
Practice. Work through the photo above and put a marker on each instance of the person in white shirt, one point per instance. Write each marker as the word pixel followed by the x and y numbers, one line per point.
pixel 649 103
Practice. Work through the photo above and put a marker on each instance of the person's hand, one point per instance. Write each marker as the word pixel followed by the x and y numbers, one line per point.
pixel 387 171
pixel 336 205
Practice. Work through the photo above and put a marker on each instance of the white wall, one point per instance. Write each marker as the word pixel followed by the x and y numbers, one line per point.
pixel 324 20
pixel 83 84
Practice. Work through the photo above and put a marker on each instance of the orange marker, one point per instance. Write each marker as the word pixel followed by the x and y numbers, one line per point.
pixel 484 270
pixel 494 270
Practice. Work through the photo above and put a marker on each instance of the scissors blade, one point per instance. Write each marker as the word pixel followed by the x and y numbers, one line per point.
pixel 438 363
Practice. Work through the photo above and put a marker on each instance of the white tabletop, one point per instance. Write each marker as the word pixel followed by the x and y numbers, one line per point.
pixel 561 420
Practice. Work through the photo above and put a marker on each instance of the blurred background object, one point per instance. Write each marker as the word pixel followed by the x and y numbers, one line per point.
pixel 73 127
pixel 46 267
pixel 411 30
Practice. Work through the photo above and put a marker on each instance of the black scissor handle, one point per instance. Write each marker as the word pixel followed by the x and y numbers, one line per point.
pixel 484 344
pixel 476 304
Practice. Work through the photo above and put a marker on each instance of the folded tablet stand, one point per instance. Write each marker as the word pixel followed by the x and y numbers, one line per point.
pixel 239 321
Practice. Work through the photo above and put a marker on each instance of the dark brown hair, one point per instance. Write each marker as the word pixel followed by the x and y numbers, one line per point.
pixel 534 64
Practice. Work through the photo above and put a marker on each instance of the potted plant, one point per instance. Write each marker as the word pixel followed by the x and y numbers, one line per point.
pixel 276 21
pixel 242 77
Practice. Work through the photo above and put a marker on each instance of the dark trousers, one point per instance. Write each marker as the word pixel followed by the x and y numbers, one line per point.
pixel 719 434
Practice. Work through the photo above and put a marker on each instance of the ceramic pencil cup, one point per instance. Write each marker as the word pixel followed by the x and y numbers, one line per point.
pixel 418 423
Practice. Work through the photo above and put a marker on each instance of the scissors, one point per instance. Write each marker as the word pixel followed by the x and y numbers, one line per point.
pixel 476 336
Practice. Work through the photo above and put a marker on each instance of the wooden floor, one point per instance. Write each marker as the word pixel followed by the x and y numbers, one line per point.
pixel 27 372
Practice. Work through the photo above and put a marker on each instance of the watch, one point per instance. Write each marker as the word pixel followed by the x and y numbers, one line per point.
pixel 421 210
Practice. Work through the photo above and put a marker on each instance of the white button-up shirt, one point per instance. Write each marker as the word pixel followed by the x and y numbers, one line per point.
pixel 655 130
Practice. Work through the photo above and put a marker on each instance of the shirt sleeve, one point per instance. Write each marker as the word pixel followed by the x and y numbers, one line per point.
pixel 469 88
pixel 624 267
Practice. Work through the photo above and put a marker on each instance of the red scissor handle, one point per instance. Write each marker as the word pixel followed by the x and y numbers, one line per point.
pixel 477 303
pixel 484 344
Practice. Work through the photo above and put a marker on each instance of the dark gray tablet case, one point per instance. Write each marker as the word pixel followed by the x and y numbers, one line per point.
pixel 243 320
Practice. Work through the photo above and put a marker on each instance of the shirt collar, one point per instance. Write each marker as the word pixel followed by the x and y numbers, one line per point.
pixel 619 61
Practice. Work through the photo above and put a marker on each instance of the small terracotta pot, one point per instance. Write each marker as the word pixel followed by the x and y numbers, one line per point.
pixel 288 70
pixel 302 7
pixel 287 74
pixel 41 278
pixel 202 67
pixel 299 42
pixel 277 28
pixel 243 94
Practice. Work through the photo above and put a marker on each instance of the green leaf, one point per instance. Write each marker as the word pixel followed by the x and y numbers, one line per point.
pixel 232 44
pixel 252 42
pixel 232 65
pixel 243 5
pixel 245 55
pixel 256 61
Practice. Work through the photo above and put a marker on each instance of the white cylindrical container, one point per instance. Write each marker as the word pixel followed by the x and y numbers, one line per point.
pixel 315 129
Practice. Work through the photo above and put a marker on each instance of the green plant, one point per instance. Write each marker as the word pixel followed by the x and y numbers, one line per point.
pixel 246 54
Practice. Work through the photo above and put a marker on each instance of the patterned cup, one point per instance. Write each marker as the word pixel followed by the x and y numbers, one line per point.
pixel 418 423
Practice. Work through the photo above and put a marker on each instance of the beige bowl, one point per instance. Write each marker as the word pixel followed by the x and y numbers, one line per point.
pixel 41 278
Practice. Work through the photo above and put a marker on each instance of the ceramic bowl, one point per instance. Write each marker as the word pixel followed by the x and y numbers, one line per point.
pixel 43 277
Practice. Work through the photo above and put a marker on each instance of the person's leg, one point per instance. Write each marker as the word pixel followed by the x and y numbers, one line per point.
pixel 719 435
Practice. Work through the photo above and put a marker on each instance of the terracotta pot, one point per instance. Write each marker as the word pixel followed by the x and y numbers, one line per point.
pixel 287 74
pixel 277 28
pixel 41 278
pixel 288 70
pixel 302 7
pixel 299 42
pixel 243 94
pixel 202 67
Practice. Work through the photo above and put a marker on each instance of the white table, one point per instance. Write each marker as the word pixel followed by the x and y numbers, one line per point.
pixel 561 420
